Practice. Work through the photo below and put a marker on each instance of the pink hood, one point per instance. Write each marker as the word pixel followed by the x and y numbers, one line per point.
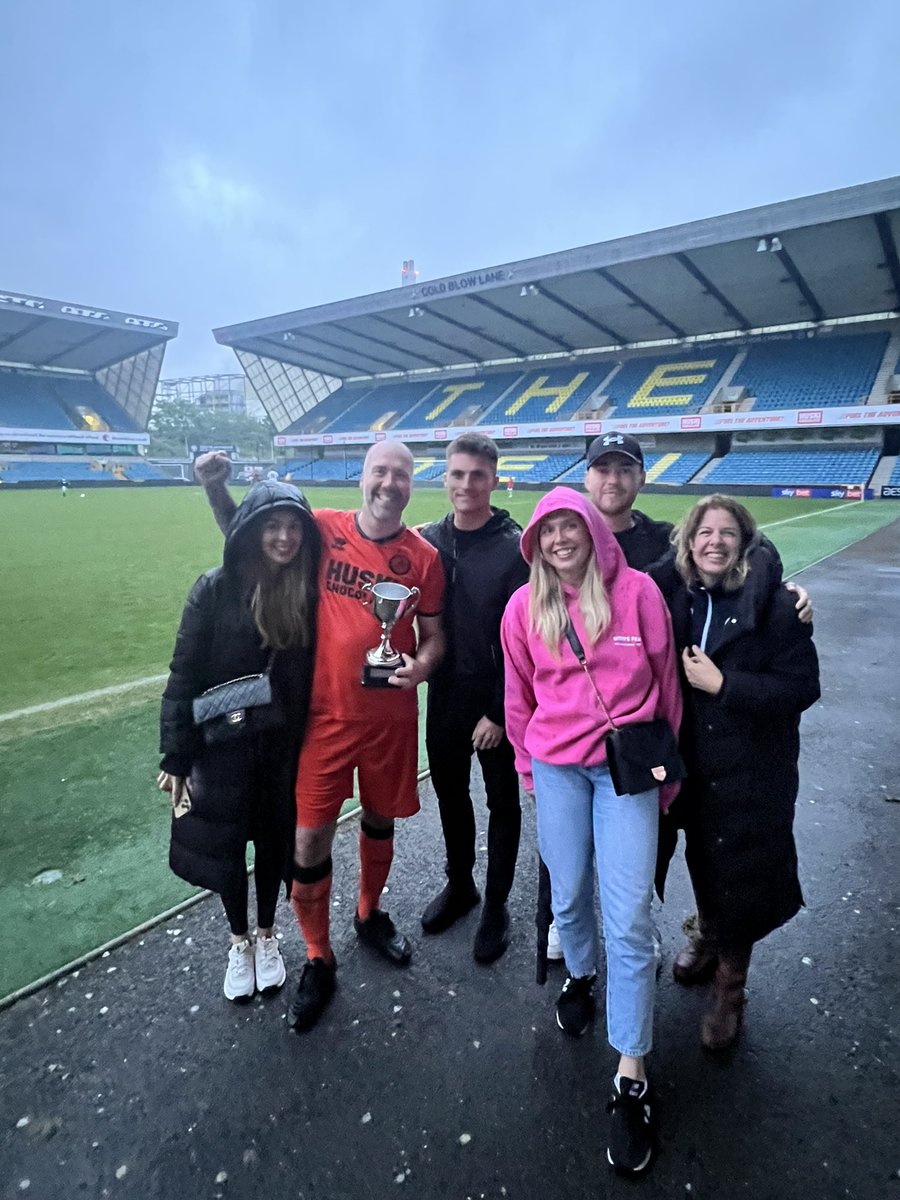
pixel 552 712
pixel 610 559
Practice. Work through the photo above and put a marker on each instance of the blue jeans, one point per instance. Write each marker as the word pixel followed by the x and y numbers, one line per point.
pixel 579 816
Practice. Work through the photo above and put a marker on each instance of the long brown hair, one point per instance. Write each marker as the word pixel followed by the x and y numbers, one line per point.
pixel 686 530
pixel 283 601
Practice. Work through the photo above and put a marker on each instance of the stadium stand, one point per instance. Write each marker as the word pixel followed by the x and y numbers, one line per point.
pixel 29 402
pixel 894 479
pixel 789 468
pixel 465 399
pixel 140 472
pixel 327 410
pixel 662 386
pixel 382 408
pixel 670 467
pixel 534 468
pixel 549 395
pixel 820 372
pixel 322 470
pixel 54 472
pixel 92 406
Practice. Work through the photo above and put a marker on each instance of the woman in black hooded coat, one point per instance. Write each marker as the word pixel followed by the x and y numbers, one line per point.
pixel 255 613
pixel 749 670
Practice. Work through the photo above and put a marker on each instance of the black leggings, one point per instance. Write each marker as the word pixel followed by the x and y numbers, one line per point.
pixel 268 874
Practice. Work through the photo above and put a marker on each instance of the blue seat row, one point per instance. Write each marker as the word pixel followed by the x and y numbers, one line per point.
pixel 794 467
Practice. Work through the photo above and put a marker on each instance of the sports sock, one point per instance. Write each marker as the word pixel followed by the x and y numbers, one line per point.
pixel 376 852
pixel 310 902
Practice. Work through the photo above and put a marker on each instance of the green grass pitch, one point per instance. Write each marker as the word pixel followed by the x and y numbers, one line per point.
pixel 90 595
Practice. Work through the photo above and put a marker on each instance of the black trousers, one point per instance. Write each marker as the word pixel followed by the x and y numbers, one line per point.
pixel 454 709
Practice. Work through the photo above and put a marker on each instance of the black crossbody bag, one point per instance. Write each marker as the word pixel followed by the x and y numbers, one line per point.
pixel 639 756
pixel 238 709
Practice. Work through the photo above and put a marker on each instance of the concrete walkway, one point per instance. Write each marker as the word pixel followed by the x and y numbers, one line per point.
pixel 135 1078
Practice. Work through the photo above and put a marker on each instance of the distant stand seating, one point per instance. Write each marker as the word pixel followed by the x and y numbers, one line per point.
pixel 894 479
pixel 673 468
pixel 816 372
pixel 54 472
pixel 790 468
pixel 322 470
pixel 534 468
pixel 551 395
pixel 31 401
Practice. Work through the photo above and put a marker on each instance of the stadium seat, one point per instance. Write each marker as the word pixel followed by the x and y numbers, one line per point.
pixel 814 372
pixel 794 468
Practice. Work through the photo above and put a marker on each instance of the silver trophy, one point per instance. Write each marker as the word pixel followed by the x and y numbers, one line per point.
pixel 389 602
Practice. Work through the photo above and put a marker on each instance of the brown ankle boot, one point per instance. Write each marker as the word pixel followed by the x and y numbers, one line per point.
pixel 721 1025
pixel 694 963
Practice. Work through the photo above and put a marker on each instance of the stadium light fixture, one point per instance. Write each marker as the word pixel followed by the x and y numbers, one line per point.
pixel 762 245
pixel 775 244
pixel 528 289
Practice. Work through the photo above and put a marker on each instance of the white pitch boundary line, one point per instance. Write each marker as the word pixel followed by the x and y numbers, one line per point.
pixel 118 688
pixel 83 697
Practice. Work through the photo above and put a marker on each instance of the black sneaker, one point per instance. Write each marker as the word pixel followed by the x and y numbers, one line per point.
pixel 492 935
pixel 448 906
pixel 576 1006
pixel 314 991
pixel 379 932
pixel 631 1126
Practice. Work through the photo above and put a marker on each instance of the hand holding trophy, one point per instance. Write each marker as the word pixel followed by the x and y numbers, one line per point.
pixel 389 602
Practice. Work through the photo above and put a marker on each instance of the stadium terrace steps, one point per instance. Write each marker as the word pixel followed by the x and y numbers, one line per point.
pixel 892 469
pixel 789 468
pixel 890 366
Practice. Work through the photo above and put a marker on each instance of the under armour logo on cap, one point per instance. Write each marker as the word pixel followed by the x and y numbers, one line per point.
pixel 615 443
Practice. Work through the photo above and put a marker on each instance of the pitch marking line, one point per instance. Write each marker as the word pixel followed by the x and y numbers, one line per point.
pixel 83 697
pixel 118 688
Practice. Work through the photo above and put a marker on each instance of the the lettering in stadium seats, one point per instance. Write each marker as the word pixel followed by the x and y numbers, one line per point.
pixel 462 283
pixel 670 375
pixel 450 393
pixel 560 393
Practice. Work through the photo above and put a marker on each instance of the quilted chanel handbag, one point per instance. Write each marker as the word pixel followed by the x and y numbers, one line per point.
pixel 237 709
pixel 639 756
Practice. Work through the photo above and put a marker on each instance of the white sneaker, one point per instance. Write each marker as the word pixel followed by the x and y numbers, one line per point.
pixel 240 975
pixel 270 971
pixel 554 946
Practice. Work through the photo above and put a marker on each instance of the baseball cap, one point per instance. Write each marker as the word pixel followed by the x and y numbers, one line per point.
pixel 615 443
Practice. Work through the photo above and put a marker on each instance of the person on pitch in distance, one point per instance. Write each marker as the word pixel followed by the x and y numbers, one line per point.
pixel 255 612
pixel 373 731
pixel 558 725
pixel 479 546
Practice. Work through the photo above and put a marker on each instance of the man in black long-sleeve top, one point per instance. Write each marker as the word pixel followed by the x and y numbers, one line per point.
pixel 479 546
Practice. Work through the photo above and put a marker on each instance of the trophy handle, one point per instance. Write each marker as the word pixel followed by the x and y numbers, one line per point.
pixel 412 602
pixel 366 601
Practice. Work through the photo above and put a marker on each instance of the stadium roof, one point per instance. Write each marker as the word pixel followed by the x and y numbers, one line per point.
pixel 38 332
pixel 820 258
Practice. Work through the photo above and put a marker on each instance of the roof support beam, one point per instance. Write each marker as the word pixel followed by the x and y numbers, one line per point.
pixel 582 316
pixel 347 352
pixel 607 275
pixel 21 333
pixel 425 337
pixel 818 312
pixel 367 337
pixel 888 245
pixel 75 347
pixel 710 288
pixel 532 328
pixel 297 357
pixel 470 332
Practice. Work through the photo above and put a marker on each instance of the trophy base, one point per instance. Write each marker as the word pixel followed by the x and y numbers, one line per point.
pixel 376 675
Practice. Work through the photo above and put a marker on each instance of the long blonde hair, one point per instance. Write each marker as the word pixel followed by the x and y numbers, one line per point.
pixel 547 606
pixel 686 530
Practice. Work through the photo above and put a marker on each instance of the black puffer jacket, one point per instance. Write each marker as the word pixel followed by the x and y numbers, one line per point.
pixel 483 568
pixel 741 749
pixel 234 785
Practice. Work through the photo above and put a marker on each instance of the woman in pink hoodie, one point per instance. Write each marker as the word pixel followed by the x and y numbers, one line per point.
pixel 557 727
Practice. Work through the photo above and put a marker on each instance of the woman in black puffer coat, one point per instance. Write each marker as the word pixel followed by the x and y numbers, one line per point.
pixel 254 613
pixel 749 670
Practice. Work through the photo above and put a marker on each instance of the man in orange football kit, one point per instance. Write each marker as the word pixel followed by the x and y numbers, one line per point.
pixel 371 730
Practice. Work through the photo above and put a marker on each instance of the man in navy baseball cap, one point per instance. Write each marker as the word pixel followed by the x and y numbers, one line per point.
pixel 613 477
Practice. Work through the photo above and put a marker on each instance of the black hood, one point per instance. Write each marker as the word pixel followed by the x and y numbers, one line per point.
pixel 262 499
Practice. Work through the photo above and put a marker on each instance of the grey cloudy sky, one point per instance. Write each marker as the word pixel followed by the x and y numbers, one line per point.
pixel 212 161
